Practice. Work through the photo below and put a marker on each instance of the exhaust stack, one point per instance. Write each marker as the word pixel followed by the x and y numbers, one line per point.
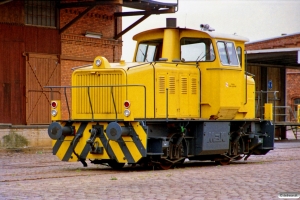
pixel 171 22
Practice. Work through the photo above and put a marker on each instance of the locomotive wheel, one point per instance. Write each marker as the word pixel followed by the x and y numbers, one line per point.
pixel 223 162
pixel 165 165
pixel 115 165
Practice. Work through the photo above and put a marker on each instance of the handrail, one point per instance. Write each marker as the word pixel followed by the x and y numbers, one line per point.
pixel 260 102
pixel 267 101
pixel 90 103
pixel 100 86
pixel 67 102
pixel 167 104
pixel 113 99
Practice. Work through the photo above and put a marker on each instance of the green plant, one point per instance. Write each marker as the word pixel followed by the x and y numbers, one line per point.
pixel 14 140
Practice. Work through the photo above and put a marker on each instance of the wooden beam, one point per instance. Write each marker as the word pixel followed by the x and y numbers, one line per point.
pixel 156 12
pixel 76 19
pixel 131 26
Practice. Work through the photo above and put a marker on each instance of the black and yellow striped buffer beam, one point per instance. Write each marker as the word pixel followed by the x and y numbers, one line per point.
pixel 74 141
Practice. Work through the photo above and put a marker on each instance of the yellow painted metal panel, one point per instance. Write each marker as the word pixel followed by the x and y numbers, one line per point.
pixel 171 45
pixel 298 113
pixel 268 115
pixel 161 93
pixel 117 151
pixel 142 135
pixel 136 94
pixel 105 85
pixel 247 110
pixel 135 153
pixel 184 95
pixel 58 109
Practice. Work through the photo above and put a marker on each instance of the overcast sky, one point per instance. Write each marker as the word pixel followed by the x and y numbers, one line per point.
pixel 254 19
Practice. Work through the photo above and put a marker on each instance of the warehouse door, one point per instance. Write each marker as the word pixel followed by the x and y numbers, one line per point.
pixel 41 70
pixel 12 82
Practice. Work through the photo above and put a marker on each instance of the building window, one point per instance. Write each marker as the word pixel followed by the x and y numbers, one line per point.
pixel 40 13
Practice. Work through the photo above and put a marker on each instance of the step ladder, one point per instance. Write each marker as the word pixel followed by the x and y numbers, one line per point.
pixel 296 131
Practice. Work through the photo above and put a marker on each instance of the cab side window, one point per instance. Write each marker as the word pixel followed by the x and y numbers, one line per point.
pixel 227 53
pixel 239 53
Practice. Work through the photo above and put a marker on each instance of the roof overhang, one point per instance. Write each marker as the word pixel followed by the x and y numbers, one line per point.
pixel 284 57
pixel 144 7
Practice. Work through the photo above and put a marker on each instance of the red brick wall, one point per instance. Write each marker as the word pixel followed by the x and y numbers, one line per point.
pixel 292 89
pixel 75 46
pixel 288 41
pixel 78 50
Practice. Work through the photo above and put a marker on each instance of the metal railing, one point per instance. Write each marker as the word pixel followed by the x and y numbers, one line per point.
pixel 287 110
pixel 89 96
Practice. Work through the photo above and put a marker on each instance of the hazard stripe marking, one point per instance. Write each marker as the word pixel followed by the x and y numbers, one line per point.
pixel 87 146
pixel 138 143
pixel 85 151
pixel 69 152
pixel 107 147
pixel 126 151
pixel 59 142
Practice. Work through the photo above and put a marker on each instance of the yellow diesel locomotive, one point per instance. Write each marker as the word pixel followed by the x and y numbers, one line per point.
pixel 186 95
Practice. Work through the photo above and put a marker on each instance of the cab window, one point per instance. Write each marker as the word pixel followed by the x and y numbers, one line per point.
pixel 196 49
pixel 227 53
pixel 148 51
pixel 239 53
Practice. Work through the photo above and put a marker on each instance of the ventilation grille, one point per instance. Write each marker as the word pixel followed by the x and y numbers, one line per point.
pixel 172 85
pixel 101 97
pixel 194 86
pixel 162 84
pixel 184 85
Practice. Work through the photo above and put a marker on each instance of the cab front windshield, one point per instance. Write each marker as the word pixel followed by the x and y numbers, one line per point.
pixel 196 49
pixel 149 51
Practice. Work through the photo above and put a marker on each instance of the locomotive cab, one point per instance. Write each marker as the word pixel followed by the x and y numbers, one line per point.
pixel 221 83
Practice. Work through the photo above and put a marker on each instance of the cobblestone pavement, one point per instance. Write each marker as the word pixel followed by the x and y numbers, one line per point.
pixel 41 175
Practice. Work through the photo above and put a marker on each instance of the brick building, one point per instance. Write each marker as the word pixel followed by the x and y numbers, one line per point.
pixel 41 40
pixel 275 62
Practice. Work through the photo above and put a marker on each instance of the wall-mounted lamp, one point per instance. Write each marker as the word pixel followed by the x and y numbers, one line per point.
pixel 93 35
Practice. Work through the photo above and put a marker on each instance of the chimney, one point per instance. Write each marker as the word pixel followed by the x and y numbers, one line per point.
pixel 171 22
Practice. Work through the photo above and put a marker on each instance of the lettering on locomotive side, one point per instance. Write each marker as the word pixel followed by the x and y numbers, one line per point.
pixel 230 84
pixel 216 137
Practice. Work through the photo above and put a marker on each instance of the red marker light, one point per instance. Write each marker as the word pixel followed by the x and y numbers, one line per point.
pixel 53 104
pixel 126 104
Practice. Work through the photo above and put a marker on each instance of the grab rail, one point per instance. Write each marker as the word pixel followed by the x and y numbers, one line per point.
pixel 90 101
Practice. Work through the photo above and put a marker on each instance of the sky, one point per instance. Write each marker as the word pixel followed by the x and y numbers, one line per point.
pixel 254 19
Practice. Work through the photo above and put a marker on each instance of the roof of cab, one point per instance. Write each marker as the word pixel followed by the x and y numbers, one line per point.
pixel 213 34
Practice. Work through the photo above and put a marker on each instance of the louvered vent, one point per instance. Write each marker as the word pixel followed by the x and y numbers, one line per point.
pixel 184 85
pixel 161 84
pixel 194 86
pixel 172 85
pixel 101 97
